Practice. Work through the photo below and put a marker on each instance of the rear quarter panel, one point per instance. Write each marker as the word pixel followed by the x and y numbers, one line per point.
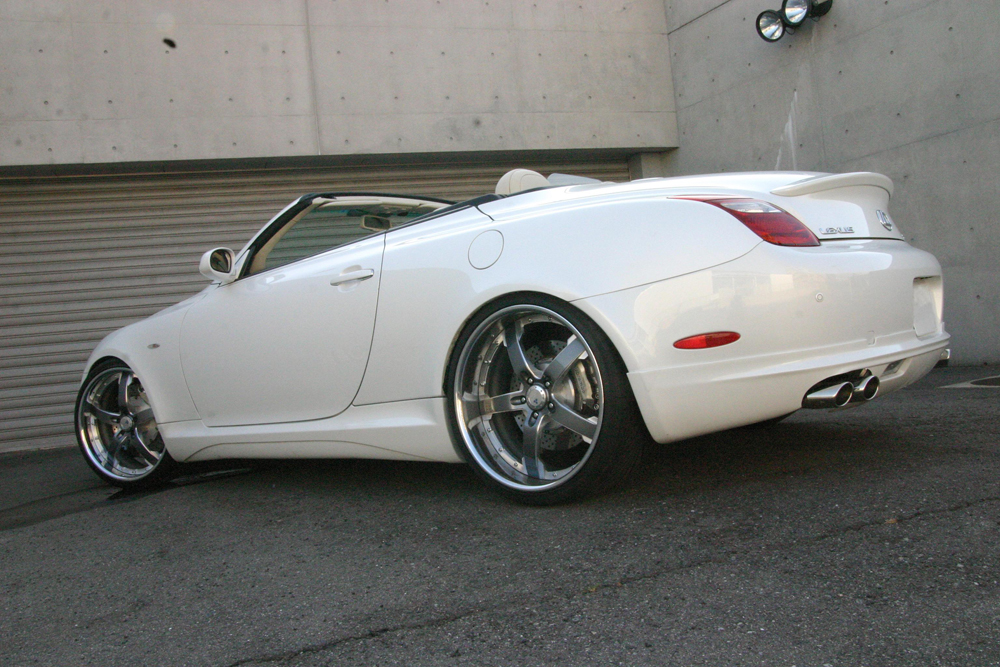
pixel 570 250
pixel 803 314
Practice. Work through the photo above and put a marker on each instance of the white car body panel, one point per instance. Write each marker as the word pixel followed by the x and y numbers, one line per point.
pixel 280 380
pixel 842 213
pixel 804 314
pixel 823 182
pixel 249 359
pixel 649 240
pixel 151 348
pixel 404 430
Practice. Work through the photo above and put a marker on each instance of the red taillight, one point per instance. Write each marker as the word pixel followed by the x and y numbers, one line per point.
pixel 706 340
pixel 765 220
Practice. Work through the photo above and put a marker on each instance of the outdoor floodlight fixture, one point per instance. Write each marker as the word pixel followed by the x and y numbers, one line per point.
pixel 772 24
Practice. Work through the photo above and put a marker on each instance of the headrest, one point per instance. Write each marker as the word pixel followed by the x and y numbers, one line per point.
pixel 519 180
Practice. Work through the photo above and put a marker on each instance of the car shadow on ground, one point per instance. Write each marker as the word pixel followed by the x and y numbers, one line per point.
pixel 814 445
pixel 691 466
pixel 752 454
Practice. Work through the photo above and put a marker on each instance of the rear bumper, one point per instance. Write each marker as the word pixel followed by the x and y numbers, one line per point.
pixel 677 405
pixel 803 315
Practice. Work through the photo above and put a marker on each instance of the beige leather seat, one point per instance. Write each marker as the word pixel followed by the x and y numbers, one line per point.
pixel 519 180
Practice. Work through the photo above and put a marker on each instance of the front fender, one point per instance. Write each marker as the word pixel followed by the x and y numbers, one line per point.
pixel 151 348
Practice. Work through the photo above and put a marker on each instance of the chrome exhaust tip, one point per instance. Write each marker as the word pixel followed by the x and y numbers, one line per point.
pixel 865 389
pixel 836 396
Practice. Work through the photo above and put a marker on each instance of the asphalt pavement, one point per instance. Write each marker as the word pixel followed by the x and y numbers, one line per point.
pixel 857 537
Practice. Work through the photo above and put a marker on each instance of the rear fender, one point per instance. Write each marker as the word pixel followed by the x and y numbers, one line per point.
pixel 430 288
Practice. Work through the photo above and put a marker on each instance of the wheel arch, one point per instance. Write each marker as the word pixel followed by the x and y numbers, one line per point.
pixel 150 380
pixel 606 327
pixel 151 349
pixel 92 364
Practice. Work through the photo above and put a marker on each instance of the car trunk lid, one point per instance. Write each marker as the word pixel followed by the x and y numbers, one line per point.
pixel 841 206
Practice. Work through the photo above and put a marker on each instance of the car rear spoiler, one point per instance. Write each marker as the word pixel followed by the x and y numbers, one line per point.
pixel 833 181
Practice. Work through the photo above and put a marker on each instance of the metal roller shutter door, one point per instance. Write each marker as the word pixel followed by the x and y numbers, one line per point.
pixel 81 256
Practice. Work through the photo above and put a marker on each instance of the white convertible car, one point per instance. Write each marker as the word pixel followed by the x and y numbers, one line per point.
pixel 542 334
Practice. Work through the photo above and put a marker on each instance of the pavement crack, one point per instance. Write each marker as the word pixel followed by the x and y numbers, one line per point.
pixel 720 559
pixel 958 507
pixel 312 649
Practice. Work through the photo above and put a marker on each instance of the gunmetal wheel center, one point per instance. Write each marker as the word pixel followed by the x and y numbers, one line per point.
pixel 126 423
pixel 536 397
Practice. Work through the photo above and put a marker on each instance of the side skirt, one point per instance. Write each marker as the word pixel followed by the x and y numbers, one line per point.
pixel 412 430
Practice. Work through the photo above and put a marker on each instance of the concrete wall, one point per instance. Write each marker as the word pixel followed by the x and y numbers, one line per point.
pixel 909 88
pixel 92 81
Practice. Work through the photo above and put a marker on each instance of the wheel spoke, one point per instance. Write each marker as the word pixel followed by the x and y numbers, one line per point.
pixel 100 414
pixel 471 409
pixel 491 405
pixel 531 449
pixel 477 408
pixel 124 382
pixel 558 367
pixel 144 416
pixel 574 421
pixel 117 442
pixel 512 338
pixel 142 450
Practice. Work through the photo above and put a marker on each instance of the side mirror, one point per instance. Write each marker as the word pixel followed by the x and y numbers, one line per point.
pixel 217 264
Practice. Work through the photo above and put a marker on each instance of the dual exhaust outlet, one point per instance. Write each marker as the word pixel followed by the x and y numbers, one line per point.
pixel 840 394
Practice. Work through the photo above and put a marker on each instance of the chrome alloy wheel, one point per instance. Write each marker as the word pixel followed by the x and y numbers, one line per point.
pixel 116 427
pixel 528 398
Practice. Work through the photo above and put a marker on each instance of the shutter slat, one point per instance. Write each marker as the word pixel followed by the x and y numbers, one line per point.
pixel 81 256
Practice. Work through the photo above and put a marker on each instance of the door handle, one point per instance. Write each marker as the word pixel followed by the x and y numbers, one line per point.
pixel 353 276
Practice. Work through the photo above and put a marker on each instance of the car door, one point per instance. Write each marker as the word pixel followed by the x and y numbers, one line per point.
pixel 289 340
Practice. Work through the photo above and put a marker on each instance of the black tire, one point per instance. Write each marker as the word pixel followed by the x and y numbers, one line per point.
pixel 539 403
pixel 116 429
